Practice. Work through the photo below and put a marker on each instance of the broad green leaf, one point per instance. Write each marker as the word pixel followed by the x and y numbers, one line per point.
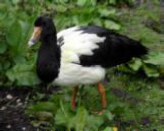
pixel 60 118
pixel 14 34
pixel 81 119
pixel 151 71
pixel 26 27
pixel 135 65
pixel 15 1
pixel 106 12
pixel 43 106
pixel 81 2
pixel 19 59
pixel 23 75
pixel 27 79
pixel 86 2
pixel 156 59
pixel 63 117
pixel 93 2
pixel 3 14
pixel 108 129
pixel 112 1
pixel 3 48
pixel 109 115
pixel 6 65
pixel 94 122
pixel 61 8
pixel 98 22
pixel 44 116
pixel 111 25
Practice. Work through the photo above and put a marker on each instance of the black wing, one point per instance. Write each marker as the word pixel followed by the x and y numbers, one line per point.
pixel 116 49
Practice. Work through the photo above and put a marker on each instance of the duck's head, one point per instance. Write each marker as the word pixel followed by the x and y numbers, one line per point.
pixel 43 27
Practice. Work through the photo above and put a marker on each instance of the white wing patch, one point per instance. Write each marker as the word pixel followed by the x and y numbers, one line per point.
pixel 76 43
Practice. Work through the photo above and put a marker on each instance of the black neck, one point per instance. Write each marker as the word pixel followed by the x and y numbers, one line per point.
pixel 48 62
pixel 49 40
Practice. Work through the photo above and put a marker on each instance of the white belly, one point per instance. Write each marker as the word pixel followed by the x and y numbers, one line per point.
pixel 74 74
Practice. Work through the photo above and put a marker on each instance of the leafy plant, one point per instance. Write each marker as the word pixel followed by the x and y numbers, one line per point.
pixel 64 118
pixel 13 50
pixel 150 66
pixel 121 2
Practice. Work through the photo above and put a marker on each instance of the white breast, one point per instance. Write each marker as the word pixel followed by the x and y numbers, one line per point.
pixel 73 74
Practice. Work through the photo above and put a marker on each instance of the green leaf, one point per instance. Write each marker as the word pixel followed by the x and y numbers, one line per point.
pixel 14 34
pixel 86 3
pixel 156 59
pixel 112 25
pixel 63 117
pixel 15 1
pixel 94 122
pixel 3 13
pixel 151 71
pixel 19 59
pixel 112 2
pixel 26 27
pixel 108 129
pixel 3 48
pixel 135 65
pixel 61 8
pixel 43 106
pixel 106 12
pixel 81 2
pixel 98 22
pixel 93 2
pixel 23 74
pixel 81 119
pixel 27 79
pixel 6 65
pixel 109 115
pixel 44 116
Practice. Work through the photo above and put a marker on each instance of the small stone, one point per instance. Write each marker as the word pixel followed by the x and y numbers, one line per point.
pixel 8 126
pixel 3 108
pixel 18 100
pixel 23 128
pixel 9 97
pixel 20 104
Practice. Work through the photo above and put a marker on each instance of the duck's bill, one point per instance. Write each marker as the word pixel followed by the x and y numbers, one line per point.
pixel 35 36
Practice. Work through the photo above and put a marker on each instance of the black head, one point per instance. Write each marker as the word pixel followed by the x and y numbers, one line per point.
pixel 46 24
pixel 43 21
pixel 44 27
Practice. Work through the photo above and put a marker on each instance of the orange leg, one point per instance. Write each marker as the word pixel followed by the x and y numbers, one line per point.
pixel 74 95
pixel 102 92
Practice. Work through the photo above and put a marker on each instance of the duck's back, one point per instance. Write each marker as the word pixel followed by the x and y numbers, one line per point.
pixel 93 45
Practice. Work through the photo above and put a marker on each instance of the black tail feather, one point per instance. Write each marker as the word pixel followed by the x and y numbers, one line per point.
pixel 138 50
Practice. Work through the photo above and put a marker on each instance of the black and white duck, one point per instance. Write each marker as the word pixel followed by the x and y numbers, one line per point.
pixel 80 55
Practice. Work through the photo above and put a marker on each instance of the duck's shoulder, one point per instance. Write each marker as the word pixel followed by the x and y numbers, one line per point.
pixel 67 31
pixel 94 30
pixel 81 33
pixel 84 29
